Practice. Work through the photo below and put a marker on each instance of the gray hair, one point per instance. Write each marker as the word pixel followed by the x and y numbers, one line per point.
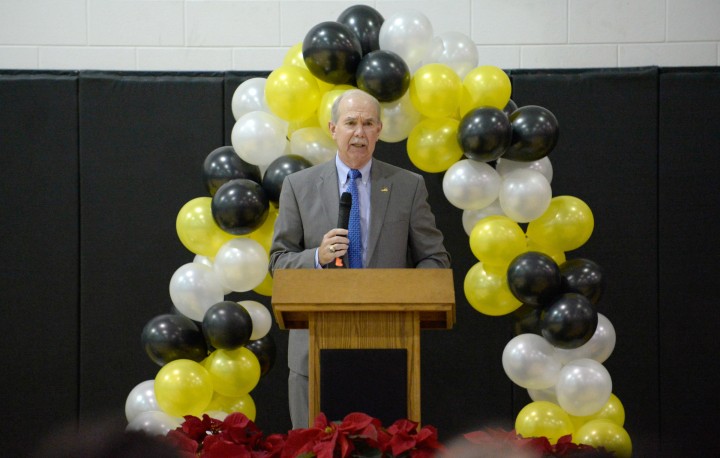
pixel 335 106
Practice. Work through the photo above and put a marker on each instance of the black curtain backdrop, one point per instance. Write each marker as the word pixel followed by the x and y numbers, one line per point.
pixel 96 166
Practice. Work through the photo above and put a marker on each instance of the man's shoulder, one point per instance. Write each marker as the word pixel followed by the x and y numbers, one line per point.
pixel 311 173
pixel 394 171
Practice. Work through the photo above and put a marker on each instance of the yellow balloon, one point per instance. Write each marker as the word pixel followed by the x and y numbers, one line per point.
pixel 435 91
pixel 605 433
pixel 557 255
pixel 432 144
pixel 292 93
pixel 613 410
pixel 488 292
pixel 264 234
pixel 233 372
pixel 231 404
pixel 198 230
pixel 485 86
pixel 566 225
pixel 543 419
pixel 183 387
pixel 265 288
pixel 312 121
pixel 496 240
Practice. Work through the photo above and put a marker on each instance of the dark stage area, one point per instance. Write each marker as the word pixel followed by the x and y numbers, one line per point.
pixel 96 165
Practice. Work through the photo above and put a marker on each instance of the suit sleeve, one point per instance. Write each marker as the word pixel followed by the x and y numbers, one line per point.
pixel 425 240
pixel 288 250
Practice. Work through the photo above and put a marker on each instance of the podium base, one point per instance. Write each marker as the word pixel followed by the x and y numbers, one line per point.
pixel 371 381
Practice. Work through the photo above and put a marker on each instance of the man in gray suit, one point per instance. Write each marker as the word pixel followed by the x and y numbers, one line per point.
pixel 397 226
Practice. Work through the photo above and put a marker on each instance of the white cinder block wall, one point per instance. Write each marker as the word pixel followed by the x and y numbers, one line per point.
pixel 219 35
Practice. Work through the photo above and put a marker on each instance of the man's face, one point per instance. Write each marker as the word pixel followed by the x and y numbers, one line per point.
pixel 357 130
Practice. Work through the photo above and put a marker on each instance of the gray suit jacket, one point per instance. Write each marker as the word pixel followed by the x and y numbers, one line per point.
pixel 402 227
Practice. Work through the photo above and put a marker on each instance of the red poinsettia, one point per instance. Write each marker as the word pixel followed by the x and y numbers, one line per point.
pixel 402 436
pixel 498 442
pixel 327 439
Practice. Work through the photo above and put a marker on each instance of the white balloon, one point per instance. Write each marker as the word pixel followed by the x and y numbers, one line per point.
pixel 241 264
pixel 141 399
pixel 599 347
pixel 194 288
pixel 249 96
pixel 204 260
pixel 456 50
pixel 313 144
pixel 260 316
pixel 471 185
pixel 259 137
pixel 524 195
pixel 398 119
pixel 409 34
pixel 544 166
pixel 528 361
pixel 471 217
pixel 154 422
pixel 547 394
pixel 583 387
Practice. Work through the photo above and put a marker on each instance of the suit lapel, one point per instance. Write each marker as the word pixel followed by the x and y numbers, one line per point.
pixel 380 190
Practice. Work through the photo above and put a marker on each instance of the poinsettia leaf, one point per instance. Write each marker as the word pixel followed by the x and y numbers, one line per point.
pixel 182 441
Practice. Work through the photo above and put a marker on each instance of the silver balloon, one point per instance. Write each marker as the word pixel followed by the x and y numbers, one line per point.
pixel 456 50
pixel 471 185
pixel 313 144
pixel 241 264
pixel 599 347
pixel 249 96
pixel 471 217
pixel 260 316
pixel 259 137
pixel 583 387
pixel 194 288
pixel 524 195
pixel 528 361
pixel 141 399
pixel 408 34
pixel 154 423
pixel 544 166
pixel 398 119
pixel 547 394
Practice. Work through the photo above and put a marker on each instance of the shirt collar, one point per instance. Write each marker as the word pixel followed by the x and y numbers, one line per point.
pixel 343 170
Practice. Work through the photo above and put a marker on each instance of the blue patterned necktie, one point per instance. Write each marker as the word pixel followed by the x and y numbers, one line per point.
pixel 355 249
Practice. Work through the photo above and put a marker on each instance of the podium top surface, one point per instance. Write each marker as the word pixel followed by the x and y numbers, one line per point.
pixel 297 293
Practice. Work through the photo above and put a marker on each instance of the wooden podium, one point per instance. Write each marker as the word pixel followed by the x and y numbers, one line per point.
pixel 364 309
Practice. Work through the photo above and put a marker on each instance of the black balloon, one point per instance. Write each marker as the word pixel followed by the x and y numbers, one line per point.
pixel 526 320
pixel 534 134
pixel 583 276
pixel 384 75
pixel 222 165
pixel 484 134
pixel 169 337
pixel 365 22
pixel 240 206
pixel 227 325
pixel 265 350
pixel 510 107
pixel 534 278
pixel 332 52
pixel 276 172
pixel 569 322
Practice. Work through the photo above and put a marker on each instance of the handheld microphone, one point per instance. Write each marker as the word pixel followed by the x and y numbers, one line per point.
pixel 343 218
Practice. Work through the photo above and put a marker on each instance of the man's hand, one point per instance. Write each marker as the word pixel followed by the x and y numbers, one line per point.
pixel 334 245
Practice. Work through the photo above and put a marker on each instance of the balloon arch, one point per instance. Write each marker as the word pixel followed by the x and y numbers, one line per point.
pixel 458 118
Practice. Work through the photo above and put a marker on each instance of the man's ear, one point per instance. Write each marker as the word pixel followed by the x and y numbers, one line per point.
pixel 331 126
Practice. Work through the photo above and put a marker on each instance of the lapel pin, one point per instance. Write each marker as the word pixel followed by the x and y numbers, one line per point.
pixel 384 189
